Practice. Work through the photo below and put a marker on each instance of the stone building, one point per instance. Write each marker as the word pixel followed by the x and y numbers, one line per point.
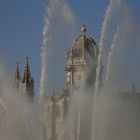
pixel 80 70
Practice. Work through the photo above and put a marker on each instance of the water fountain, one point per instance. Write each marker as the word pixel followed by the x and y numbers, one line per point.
pixel 93 114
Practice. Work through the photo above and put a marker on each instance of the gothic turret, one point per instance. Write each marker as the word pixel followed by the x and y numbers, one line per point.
pixel 26 74
pixel 17 75
pixel 26 85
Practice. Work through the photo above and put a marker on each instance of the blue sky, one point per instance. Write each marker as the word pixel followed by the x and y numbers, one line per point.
pixel 21 25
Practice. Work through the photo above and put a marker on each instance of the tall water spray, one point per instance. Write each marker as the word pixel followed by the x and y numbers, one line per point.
pixel 104 29
pixel 110 55
pixel 44 59
pixel 105 26
pixel 56 10
pixel 59 17
pixel 123 25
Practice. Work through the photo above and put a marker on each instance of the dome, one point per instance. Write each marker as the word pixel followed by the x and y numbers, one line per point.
pixel 85 43
pixel 84 40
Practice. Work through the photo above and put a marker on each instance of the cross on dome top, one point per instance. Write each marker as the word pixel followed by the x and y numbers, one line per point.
pixel 83 29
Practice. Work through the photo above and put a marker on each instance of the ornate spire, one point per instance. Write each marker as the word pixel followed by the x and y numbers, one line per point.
pixel 17 73
pixel 26 75
pixel 83 29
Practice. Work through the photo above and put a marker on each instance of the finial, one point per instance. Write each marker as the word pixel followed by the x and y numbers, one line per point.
pixel 83 29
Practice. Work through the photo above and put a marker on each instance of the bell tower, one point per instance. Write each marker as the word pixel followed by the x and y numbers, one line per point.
pixel 81 62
